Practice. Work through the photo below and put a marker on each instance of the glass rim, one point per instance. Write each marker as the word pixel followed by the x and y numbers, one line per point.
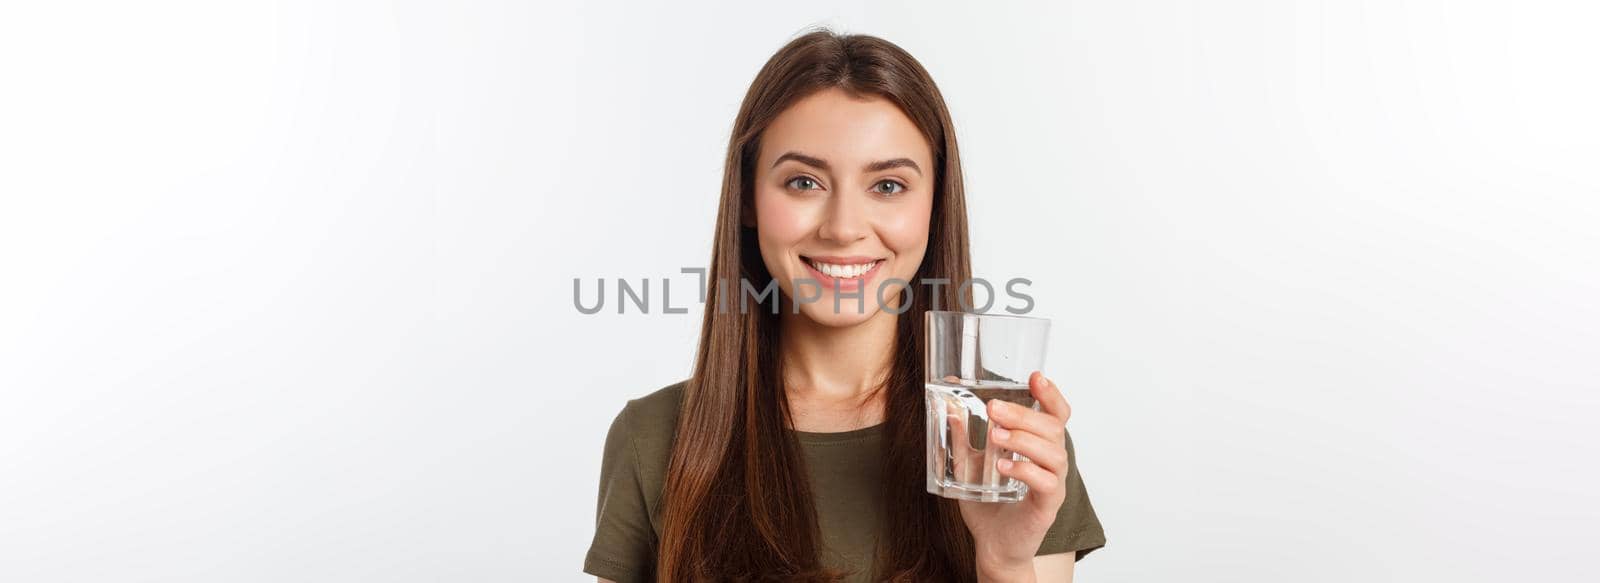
pixel 983 315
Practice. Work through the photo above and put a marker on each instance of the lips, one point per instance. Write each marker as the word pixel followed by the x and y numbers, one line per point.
pixel 842 273
pixel 841 269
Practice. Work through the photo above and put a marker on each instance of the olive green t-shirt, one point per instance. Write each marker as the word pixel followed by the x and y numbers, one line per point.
pixel 845 472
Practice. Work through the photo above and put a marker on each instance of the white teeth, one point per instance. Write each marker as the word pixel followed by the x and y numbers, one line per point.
pixel 842 271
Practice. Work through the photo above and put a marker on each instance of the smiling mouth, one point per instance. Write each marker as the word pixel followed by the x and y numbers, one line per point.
pixel 850 270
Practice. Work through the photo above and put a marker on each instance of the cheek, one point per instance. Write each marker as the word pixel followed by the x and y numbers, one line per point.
pixel 906 233
pixel 780 222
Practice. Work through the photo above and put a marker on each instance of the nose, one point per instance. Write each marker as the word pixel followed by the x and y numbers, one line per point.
pixel 844 220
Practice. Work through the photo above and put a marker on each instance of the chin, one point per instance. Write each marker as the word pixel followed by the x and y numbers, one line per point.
pixel 821 312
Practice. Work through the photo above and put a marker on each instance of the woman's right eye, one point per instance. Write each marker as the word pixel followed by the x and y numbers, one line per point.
pixel 802 183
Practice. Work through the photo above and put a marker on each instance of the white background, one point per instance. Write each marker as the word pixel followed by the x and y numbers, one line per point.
pixel 286 289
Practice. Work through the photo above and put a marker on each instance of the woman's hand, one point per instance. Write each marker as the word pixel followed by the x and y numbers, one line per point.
pixel 1007 535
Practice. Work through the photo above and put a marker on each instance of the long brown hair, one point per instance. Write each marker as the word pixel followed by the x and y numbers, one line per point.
pixel 737 502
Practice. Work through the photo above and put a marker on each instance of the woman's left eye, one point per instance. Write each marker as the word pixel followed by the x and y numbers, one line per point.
pixel 889 187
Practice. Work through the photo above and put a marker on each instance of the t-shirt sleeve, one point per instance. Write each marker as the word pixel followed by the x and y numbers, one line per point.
pixel 1076 527
pixel 624 542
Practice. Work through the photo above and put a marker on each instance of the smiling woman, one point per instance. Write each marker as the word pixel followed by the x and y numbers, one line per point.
pixel 857 189
pixel 795 452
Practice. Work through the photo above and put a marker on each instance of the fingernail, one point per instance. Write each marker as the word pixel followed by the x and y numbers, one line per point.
pixel 1003 464
pixel 1001 434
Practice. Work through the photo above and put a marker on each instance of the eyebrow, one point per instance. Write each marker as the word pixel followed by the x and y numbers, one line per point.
pixel 823 164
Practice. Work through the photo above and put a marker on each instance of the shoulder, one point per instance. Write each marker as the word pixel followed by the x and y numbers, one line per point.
pixel 654 416
pixel 633 468
pixel 644 430
pixel 657 407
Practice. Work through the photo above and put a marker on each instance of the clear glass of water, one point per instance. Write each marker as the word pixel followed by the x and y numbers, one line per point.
pixel 973 359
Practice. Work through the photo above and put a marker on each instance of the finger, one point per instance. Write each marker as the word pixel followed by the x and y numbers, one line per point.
pixel 1049 395
pixel 1016 417
pixel 1038 479
pixel 1050 455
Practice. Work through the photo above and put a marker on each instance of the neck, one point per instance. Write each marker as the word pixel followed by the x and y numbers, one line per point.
pixel 832 375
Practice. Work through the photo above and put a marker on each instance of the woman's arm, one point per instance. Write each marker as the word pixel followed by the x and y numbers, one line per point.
pixel 1056 568
pixel 1052 568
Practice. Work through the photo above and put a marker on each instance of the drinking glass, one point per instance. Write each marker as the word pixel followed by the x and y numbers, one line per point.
pixel 973 359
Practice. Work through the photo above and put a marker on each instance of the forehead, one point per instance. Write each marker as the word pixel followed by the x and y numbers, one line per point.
pixel 844 129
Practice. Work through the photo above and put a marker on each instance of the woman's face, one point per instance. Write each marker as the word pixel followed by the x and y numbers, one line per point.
pixel 843 198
